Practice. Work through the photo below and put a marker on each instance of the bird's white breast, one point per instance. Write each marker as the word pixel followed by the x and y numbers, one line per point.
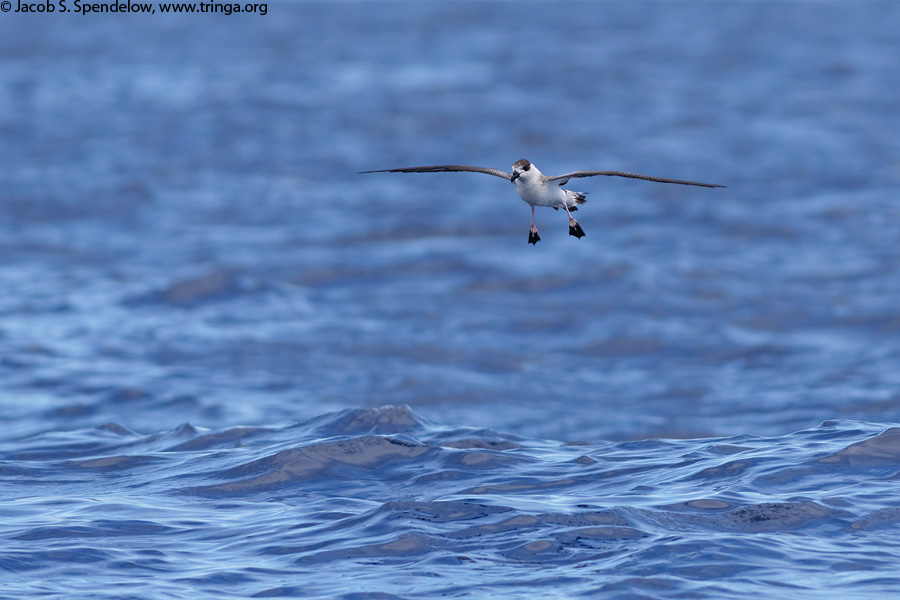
pixel 537 193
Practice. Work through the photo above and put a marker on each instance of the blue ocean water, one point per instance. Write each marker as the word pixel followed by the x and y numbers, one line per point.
pixel 230 366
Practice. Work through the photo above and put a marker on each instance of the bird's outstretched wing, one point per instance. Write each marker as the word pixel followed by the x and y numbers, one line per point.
pixel 443 168
pixel 564 178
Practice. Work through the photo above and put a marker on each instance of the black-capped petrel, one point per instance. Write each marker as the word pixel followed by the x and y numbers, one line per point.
pixel 535 189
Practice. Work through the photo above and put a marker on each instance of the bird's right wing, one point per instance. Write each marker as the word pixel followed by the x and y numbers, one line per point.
pixel 445 168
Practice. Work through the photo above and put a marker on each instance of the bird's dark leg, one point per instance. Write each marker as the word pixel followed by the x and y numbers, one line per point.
pixel 533 237
pixel 574 228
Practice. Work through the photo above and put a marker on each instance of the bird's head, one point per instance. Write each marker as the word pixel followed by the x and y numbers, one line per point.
pixel 520 167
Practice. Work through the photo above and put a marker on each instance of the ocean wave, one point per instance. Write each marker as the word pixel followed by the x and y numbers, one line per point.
pixel 364 490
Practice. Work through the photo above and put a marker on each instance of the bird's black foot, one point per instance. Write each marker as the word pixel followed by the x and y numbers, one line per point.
pixel 575 229
pixel 533 237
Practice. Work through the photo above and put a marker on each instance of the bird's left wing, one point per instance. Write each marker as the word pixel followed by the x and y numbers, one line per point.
pixel 564 178
pixel 444 168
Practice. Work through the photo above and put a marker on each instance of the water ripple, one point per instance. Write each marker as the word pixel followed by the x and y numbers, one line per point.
pixel 219 508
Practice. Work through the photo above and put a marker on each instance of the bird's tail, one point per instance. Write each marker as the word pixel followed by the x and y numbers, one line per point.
pixel 575 198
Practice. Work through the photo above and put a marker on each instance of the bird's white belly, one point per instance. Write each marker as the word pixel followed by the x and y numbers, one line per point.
pixel 537 194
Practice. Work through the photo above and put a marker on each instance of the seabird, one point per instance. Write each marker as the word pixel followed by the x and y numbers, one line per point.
pixel 535 189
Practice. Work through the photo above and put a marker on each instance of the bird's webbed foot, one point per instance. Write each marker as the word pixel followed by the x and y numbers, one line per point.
pixel 575 229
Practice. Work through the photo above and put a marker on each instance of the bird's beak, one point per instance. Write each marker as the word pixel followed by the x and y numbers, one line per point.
pixel 514 177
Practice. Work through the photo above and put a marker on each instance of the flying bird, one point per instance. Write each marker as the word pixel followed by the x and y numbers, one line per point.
pixel 535 189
